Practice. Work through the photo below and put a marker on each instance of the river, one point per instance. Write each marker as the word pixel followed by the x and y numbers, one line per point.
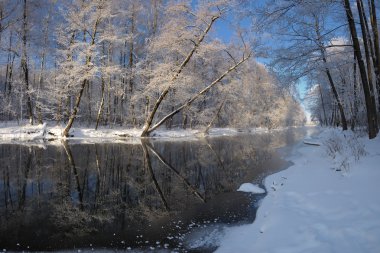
pixel 154 194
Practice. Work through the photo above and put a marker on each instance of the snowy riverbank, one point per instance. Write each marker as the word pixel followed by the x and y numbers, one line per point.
pixel 328 201
pixel 13 132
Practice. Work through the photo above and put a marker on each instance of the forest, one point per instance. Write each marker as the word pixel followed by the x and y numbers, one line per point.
pixel 189 64
pixel 134 64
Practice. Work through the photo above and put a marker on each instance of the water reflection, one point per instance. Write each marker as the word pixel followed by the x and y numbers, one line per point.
pixel 109 195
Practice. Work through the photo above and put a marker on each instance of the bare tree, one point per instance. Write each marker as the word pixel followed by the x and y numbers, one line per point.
pixel 371 110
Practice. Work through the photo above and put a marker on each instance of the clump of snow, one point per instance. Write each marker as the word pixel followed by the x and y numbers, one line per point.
pixel 311 208
pixel 252 188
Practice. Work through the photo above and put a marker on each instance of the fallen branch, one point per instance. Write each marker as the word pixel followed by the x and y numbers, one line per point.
pixel 311 143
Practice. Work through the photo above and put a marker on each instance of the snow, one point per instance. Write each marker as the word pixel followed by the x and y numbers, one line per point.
pixel 252 188
pixel 23 133
pixel 12 132
pixel 328 201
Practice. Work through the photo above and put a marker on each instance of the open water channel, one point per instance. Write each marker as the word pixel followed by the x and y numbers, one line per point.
pixel 154 194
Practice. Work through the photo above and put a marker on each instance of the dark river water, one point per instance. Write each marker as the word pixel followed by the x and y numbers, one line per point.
pixel 152 195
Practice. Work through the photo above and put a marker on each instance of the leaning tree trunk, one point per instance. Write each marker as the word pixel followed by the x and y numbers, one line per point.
pixel 73 115
pixel 329 77
pixel 367 94
pixel 215 117
pixel 200 93
pixel 149 120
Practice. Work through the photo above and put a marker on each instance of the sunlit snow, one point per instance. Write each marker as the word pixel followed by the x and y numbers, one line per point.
pixel 320 204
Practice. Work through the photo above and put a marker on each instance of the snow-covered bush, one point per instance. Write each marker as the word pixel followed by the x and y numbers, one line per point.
pixel 344 148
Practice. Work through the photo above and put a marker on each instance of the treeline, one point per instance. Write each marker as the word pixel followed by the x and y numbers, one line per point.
pixel 144 64
pixel 334 45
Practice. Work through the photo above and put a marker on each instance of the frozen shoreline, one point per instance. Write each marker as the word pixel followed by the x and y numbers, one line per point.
pixel 12 132
pixel 320 204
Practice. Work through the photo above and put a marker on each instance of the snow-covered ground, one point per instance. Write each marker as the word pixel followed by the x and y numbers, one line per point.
pixel 328 201
pixel 13 132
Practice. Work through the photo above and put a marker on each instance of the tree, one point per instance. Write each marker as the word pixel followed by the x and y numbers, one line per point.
pixel 371 110
pixel 85 18
pixel 376 43
pixel 144 64
pixel 24 63
pixel 306 34
pixel 177 72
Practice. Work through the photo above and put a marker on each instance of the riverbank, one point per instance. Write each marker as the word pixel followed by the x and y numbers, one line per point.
pixel 328 201
pixel 14 132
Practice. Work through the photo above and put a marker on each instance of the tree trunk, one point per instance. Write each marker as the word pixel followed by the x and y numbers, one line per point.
pixel 7 74
pixel 88 90
pixel 149 120
pixel 101 106
pixel 356 102
pixel 130 66
pixel 191 100
pixel 329 77
pixel 73 115
pixel 100 111
pixel 215 117
pixel 24 66
pixel 372 131
pixel 367 46
pixel 323 105
pixel 42 69
pixel 40 81
pixel 375 31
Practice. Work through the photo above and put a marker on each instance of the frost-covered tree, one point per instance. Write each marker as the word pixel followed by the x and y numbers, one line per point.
pixel 144 64
pixel 188 29
pixel 79 41
pixel 307 32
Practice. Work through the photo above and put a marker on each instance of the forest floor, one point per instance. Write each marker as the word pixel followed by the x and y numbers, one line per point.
pixel 328 201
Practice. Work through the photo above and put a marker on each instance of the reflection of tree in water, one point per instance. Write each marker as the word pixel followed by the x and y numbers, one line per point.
pixel 75 193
